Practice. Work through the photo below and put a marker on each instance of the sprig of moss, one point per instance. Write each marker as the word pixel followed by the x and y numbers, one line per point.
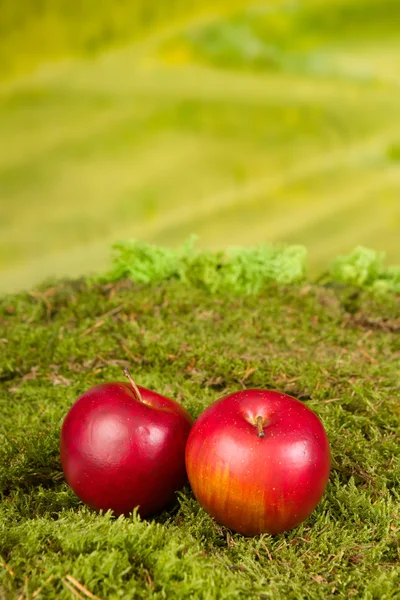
pixel 364 268
pixel 237 270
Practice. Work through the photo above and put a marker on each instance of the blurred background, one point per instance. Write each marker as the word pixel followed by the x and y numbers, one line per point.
pixel 241 122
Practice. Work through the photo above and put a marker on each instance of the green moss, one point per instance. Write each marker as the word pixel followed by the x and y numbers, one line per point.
pixel 238 270
pixel 247 270
pixel 194 345
pixel 364 268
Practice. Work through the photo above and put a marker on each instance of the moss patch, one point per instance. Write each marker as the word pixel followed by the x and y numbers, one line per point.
pixel 247 270
pixel 335 348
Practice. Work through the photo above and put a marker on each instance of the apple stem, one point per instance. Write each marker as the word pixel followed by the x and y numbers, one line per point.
pixel 260 424
pixel 134 386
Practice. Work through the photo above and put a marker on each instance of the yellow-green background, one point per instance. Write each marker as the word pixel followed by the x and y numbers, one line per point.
pixel 240 122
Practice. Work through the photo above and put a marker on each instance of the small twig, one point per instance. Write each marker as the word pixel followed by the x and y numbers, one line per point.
pixel 37 592
pixel 8 569
pixel 149 580
pixel 268 552
pixel 92 328
pixel 113 361
pixel 101 320
pixel 264 545
pixel 371 359
pixel 228 539
pixel 72 589
pixel 127 351
pixel 249 371
pixel 283 542
pixel 114 311
pixel 331 400
pixel 325 527
pixel 81 587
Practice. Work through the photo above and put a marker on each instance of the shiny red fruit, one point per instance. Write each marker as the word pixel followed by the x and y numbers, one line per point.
pixel 258 461
pixel 123 447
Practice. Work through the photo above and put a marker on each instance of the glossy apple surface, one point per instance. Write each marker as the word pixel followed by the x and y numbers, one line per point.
pixel 120 450
pixel 258 461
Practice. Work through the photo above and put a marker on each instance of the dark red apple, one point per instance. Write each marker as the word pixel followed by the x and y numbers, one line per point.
pixel 123 446
pixel 258 461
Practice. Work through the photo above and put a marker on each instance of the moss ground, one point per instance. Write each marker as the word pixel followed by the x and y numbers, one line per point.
pixel 334 347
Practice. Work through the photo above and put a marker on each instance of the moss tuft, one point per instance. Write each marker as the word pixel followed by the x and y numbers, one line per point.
pixel 365 268
pixel 246 270
pixel 238 270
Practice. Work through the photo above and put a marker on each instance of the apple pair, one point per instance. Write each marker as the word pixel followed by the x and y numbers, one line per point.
pixel 257 461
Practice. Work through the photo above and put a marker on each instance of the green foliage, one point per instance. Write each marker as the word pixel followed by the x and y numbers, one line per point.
pixel 176 337
pixel 238 270
pixel 246 270
pixel 365 268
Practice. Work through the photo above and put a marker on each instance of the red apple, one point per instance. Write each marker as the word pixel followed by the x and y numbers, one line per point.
pixel 123 446
pixel 258 461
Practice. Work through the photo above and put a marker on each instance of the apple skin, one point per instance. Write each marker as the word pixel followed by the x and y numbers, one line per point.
pixel 119 452
pixel 255 484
